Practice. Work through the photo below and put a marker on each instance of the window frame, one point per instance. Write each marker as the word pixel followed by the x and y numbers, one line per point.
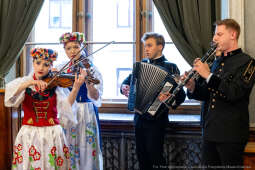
pixel 143 22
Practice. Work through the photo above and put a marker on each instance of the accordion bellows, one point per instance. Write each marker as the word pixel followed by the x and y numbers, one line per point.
pixel 147 82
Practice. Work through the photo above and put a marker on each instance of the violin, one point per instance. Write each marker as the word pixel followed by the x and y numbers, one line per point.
pixel 65 80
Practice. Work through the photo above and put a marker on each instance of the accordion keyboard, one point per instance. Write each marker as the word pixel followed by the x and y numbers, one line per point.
pixel 147 82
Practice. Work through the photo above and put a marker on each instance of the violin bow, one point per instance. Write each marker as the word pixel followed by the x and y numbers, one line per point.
pixel 79 61
pixel 63 68
pixel 86 57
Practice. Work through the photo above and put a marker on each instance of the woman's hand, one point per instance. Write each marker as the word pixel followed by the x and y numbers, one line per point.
pixel 40 85
pixel 80 79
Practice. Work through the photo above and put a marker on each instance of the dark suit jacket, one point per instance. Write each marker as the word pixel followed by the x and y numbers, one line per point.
pixel 162 120
pixel 226 97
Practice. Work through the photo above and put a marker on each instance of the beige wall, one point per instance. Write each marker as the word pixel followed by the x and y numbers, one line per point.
pixel 244 12
pixel 249 37
pixel 249 20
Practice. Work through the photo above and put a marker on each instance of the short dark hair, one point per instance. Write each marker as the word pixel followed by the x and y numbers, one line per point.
pixel 158 37
pixel 230 23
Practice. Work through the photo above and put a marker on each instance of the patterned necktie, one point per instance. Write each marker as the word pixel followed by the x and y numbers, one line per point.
pixel 216 64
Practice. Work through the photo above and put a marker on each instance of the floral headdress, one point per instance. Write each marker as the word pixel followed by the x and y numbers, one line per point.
pixel 72 36
pixel 44 53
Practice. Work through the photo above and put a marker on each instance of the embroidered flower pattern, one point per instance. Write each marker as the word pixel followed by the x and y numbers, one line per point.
pixel 90 139
pixel 91 133
pixel 19 147
pixel 73 132
pixel 66 151
pixel 76 151
pixel 17 155
pixel 94 153
pixel 53 151
pixel 36 156
pixel 32 151
pixel 56 160
pixel 59 161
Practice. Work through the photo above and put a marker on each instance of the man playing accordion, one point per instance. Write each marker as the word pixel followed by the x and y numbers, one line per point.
pixel 150 130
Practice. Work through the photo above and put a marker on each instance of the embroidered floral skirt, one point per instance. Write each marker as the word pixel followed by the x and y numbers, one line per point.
pixel 41 148
pixel 84 140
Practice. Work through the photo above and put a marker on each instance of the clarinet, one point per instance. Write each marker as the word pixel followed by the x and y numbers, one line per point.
pixel 192 74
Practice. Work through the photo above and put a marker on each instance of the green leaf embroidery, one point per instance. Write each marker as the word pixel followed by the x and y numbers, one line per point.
pixel 89 132
pixel 51 160
pixel 30 159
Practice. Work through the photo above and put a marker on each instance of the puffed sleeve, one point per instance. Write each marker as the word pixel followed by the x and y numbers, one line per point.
pixel 99 87
pixel 66 111
pixel 10 99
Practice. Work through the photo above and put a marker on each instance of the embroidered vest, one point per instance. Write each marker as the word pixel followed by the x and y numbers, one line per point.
pixel 40 111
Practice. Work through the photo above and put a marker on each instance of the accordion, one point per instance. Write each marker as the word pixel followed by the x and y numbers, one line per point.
pixel 147 82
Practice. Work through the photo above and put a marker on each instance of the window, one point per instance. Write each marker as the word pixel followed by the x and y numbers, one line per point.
pixel 47 36
pixel 114 59
pixel 123 13
pixel 59 17
pixel 103 22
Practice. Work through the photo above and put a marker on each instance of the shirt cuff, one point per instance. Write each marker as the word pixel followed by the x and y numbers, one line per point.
pixel 209 77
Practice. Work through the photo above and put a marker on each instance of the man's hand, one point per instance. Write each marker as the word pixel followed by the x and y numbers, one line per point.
pixel 201 68
pixel 125 89
pixel 164 96
pixel 190 85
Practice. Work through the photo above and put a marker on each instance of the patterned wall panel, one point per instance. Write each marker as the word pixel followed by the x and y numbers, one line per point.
pixel 180 151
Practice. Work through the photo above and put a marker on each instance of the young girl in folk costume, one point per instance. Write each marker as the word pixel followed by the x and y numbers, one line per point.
pixel 41 143
pixel 84 138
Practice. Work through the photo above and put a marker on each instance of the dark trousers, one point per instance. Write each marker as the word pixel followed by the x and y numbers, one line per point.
pixel 222 155
pixel 149 145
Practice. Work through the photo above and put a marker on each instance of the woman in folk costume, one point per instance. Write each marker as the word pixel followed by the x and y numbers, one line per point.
pixel 41 143
pixel 84 138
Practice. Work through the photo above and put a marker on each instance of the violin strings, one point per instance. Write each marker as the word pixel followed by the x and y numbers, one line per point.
pixel 81 60
pixel 63 68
